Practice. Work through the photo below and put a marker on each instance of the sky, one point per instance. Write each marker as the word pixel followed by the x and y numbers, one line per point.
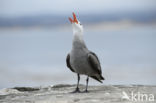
pixel 13 8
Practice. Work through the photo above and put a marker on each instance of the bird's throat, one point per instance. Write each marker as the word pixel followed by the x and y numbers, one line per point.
pixel 78 41
pixel 78 37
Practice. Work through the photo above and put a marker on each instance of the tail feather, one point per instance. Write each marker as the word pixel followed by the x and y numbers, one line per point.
pixel 94 77
pixel 101 77
pixel 98 78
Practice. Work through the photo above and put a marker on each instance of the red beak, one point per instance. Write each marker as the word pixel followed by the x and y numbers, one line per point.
pixel 75 19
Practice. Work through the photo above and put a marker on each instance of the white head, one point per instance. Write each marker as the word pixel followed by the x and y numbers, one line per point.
pixel 77 26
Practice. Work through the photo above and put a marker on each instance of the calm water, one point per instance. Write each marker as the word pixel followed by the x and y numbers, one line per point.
pixel 34 57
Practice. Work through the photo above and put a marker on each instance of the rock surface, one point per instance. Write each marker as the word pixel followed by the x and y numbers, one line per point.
pixel 97 94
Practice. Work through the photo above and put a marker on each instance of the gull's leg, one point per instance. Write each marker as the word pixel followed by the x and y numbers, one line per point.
pixel 87 80
pixel 77 88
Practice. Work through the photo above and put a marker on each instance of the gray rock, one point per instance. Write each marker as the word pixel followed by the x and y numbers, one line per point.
pixel 97 94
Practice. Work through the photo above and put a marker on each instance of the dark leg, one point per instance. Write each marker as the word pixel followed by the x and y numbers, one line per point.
pixel 87 80
pixel 77 88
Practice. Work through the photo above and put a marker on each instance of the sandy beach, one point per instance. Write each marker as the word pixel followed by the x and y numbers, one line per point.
pixel 97 94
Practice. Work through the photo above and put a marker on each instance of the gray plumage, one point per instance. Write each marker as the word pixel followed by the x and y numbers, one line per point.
pixel 82 61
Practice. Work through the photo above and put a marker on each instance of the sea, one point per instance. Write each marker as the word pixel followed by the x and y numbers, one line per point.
pixel 36 56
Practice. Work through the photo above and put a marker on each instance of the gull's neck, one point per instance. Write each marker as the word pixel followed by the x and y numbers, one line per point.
pixel 78 36
pixel 78 41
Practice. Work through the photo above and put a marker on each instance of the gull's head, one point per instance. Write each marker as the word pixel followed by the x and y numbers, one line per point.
pixel 77 26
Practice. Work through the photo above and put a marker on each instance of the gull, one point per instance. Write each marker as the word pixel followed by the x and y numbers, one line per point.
pixel 80 60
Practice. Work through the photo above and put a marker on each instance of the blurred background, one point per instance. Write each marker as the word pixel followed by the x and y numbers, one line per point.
pixel 35 37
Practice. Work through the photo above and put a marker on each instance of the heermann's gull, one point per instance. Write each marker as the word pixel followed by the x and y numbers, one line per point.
pixel 81 60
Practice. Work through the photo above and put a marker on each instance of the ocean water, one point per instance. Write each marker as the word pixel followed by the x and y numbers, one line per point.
pixel 37 56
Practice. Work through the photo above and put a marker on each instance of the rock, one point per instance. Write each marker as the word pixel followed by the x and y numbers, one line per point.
pixel 61 86
pixel 76 100
pixel 26 89
pixel 62 94
pixel 7 91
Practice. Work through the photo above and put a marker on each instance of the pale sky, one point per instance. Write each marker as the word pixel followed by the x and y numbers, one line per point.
pixel 37 7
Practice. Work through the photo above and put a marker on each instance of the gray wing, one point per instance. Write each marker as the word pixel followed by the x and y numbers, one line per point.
pixel 68 63
pixel 95 64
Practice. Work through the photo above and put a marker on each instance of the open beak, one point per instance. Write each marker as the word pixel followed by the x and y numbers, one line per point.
pixel 74 19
